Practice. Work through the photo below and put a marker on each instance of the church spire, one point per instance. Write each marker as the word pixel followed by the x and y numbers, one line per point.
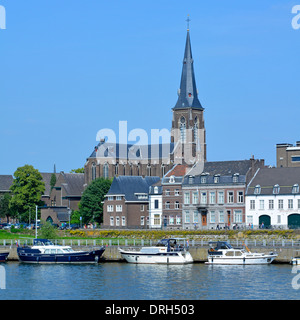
pixel 187 94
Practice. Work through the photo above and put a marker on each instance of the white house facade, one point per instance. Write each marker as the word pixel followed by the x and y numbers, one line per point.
pixel 273 199
pixel 155 207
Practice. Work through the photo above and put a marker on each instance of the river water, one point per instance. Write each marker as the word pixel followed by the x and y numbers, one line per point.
pixel 123 281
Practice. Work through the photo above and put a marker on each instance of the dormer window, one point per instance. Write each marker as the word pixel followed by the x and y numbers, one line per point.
pixel 172 179
pixel 155 189
pixel 216 179
pixel 295 188
pixel 257 189
pixel 191 179
pixel 235 178
pixel 203 179
pixel 276 189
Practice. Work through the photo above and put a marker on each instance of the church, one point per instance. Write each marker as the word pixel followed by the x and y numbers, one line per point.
pixel 187 144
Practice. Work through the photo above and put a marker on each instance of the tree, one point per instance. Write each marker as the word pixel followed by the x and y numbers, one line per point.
pixel 5 210
pixel 79 170
pixel 91 206
pixel 52 180
pixel 27 188
pixel 47 231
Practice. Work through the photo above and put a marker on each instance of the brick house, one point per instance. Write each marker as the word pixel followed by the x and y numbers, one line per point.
pixel 126 203
pixel 216 197
pixel 64 197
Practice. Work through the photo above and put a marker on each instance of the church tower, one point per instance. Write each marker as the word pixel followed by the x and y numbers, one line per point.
pixel 188 131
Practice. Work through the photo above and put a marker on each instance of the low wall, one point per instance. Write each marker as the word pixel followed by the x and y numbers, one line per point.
pixel 199 254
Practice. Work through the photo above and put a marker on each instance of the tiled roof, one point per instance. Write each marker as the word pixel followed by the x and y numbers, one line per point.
pixel 5 182
pixel 131 185
pixel 178 170
pixel 267 178
pixel 73 183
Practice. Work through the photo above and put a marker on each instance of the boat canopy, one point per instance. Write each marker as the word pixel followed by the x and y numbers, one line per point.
pixel 220 245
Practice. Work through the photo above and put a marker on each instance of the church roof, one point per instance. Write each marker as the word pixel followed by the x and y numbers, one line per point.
pixel 132 151
pixel 188 95
pixel 73 184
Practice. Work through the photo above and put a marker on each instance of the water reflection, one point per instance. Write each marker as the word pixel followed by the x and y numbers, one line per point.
pixel 123 281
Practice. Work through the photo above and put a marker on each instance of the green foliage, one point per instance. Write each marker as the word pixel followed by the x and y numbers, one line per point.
pixel 90 206
pixel 75 217
pixel 5 210
pixel 53 180
pixel 27 188
pixel 79 170
pixel 47 231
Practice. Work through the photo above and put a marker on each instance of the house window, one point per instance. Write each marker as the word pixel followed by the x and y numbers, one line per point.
pixel 221 216
pixel 176 205
pixel 155 204
pixel 290 203
pixel 176 192
pixel 276 189
pixel 187 217
pixel 280 204
pixel 157 219
pixel 119 208
pixel 167 205
pixel 271 204
pixel 110 208
pixel 142 207
pixel 212 197
pixel 156 189
pixel 212 217
pixel 279 219
pixel 203 179
pixel 203 198
pixel 257 189
pixel 178 220
pixel 196 216
pixel 221 197
pixel 118 198
pixel 167 192
pixel 295 188
pixel 261 204
pixel 295 158
pixel 230 197
pixel 123 221
pixel 187 198
pixel 240 196
pixel 252 204
pixel 195 197
pixel 216 179
pixel 111 221
pixel 117 221
pixel 171 220
pixel 110 198
pixel 235 178
pixel 142 221
pixel 238 216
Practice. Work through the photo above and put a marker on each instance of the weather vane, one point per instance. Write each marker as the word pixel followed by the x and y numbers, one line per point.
pixel 188 22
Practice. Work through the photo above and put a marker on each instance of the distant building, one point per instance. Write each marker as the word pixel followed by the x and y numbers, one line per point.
pixel 273 198
pixel 155 206
pixel 288 155
pixel 185 146
pixel 64 197
pixel 126 204
pixel 216 197
pixel 5 184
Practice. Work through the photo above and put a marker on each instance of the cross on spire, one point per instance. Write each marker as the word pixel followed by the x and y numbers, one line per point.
pixel 188 22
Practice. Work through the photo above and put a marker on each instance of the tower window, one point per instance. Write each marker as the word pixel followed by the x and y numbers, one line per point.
pixel 182 129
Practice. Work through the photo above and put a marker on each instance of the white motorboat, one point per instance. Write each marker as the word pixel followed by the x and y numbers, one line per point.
pixel 167 251
pixel 296 259
pixel 222 252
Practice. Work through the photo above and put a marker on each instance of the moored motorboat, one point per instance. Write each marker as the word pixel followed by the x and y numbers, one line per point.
pixel 221 252
pixel 44 251
pixel 167 251
pixel 3 256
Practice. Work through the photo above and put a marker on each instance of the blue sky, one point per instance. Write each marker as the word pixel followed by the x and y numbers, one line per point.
pixel 69 68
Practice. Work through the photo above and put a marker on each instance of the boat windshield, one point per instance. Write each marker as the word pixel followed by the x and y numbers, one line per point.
pixel 221 245
pixel 42 242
